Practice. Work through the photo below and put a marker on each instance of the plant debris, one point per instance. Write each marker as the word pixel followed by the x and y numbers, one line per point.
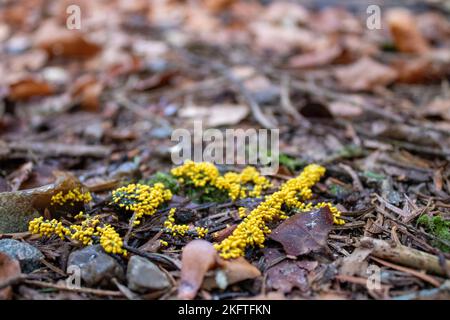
pixel 127 142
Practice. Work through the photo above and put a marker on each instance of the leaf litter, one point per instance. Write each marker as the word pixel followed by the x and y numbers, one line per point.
pixel 94 110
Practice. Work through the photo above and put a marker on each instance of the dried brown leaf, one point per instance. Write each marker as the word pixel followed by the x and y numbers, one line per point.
pixel 234 271
pixel 365 74
pixel 403 27
pixel 9 269
pixel 57 40
pixel 198 257
pixel 316 59
pixel 27 88
pixel 304 232
pixel 217 115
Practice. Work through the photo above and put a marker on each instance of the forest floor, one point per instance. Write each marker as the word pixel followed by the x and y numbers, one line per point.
pixel 366 98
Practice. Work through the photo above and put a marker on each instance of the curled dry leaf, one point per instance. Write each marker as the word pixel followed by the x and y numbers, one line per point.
pixel 88 90
pixel 9 269
pixel 414 70
pixel 304 232
pixel 217 115
pixel 365 74
pixel 19 207
pixel 434 26
pixel 439 107
pixel 230 272
pixel 60 41
pixel 285 275
pixel 316 59
pixel 342 109
pixel 403 27
pixel 356 264
pixel 216 6
pixel 27 88
pixel 198 257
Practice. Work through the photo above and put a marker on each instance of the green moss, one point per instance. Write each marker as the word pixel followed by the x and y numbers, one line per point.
pixel 439 227
pixel 291 163
pixel 169 181
pixel 206 194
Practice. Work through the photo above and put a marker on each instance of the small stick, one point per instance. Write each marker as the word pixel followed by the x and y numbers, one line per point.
pixel 412 272
pixel 405 256
pixel 97 292
pixel 356 181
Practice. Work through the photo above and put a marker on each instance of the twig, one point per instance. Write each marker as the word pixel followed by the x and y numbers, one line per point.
pixel 410 271
pixel 405 256
pixel 98 292
pixel 59 149
pixel 356 181
pixel 286 103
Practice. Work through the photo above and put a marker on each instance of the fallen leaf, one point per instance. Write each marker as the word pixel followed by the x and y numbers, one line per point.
pixel 230 272
pixel 286 276
pixel 88 90
pixel 315 59
pixel 285 12
pixel 416 70
pixel 304 232
pixel 57 40
pixel 439 107
pixel 365 74
pixel 335 19
pixel 343 109
pixel 282 39
pixel 434 26
pixel 27 88
pixel 403 27
pixel 198 257
pixel 217 115
pixel 216 6
pixel 355 264
pixel 9 269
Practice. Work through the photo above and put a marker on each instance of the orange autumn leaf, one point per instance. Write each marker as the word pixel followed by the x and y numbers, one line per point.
pixel 29 87
pixel 403 27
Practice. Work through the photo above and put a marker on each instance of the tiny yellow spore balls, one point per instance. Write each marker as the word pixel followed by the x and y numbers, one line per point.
pixel 248 183
pixel 71 197
pixel 141 199
pixel 253 229
pixel 89 230
pixel 181 229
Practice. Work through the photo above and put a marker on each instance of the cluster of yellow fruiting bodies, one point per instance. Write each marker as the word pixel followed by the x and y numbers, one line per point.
pixel 89 229
pixel 253 229
pixel 141 199
pixel 248 183
pixel 145 200
pixel 71 197
pixel 181 229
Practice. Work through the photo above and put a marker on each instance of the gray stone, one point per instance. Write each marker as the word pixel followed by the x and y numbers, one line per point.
pixel 143 275
pixel 28 256
pixel 96 266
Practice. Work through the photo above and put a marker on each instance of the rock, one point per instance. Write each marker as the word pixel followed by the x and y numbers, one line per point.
pixel 28 256
pixel 17 45
pixel 55 75
pixel 143 275
pixel 96 266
